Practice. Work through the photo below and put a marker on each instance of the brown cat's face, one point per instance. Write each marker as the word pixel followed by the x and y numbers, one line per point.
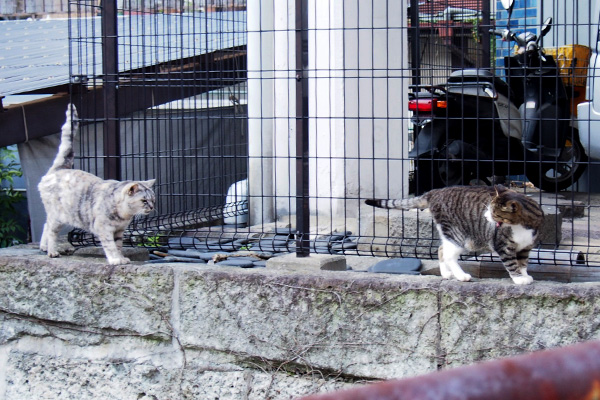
pixel 505 207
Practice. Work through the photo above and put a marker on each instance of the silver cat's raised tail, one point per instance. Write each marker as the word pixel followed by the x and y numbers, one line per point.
pixel 64 158
pixel 79 199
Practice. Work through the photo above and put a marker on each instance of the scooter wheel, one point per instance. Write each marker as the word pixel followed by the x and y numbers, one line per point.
pixel 561 173
pixel 436 173
pixel 426 176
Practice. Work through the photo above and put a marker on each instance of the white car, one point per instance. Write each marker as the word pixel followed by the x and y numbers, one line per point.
pixel 588 112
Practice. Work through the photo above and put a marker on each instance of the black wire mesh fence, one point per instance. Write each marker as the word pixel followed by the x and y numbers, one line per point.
pixel 267 123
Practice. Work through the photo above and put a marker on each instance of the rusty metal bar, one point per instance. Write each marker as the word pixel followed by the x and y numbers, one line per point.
pixel 571 373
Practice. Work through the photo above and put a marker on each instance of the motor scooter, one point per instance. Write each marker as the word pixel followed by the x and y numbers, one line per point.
pixel 478 128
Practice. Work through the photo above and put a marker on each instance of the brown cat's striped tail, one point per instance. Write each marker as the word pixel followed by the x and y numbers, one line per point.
pixel 399 204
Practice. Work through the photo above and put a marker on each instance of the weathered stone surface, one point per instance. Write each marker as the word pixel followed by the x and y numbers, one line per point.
pixel 71 328
pixel 252 385
pixel 363 326
pixel 92 375
pixel 495 318
pixel 130 298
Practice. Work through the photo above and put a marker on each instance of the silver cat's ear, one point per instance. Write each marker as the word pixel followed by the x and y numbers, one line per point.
pixel 132 188
pixel 149 183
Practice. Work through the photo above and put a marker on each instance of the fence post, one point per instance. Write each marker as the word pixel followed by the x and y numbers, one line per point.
pixel 415 42
pixel 484 31
pixel 302 170
pixel 110 71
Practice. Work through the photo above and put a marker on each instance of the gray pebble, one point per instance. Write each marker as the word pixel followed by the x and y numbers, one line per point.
pixel 209 255
pixel 408 266
pixel 237 263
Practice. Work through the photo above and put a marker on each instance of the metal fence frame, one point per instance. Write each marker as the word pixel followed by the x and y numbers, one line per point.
pixel 303 233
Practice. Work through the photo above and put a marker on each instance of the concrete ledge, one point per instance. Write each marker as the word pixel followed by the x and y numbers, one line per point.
pixel 325 262
pixel 76 328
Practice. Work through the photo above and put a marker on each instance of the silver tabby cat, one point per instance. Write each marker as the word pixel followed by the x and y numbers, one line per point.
pixel 478 218
pixel 80 199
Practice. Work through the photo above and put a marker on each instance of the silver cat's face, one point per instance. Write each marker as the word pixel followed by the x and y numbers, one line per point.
pixel 140 197
pixel 148 203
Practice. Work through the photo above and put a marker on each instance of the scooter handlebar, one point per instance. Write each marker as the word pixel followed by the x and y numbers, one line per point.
pixel 505 34
pixel 509 36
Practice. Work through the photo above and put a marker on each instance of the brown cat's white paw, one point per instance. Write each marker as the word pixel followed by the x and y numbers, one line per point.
pixel 53 254
pixel 463 277
pixel 522 280
pixel 446 274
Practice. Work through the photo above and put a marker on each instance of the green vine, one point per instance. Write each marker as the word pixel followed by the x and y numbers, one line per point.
pixel 475 34
pixel 9 197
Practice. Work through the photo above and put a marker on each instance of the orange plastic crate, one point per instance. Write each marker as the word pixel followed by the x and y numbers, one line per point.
pixel 573 61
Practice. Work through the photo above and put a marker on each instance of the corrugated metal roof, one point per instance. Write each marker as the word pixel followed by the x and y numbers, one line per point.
pixel 35 54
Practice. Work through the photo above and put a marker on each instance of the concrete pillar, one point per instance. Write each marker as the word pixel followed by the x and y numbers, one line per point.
pixel 358 71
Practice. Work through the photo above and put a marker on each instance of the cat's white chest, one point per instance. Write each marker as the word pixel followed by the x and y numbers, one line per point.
pixel 522 236
pixel 488 215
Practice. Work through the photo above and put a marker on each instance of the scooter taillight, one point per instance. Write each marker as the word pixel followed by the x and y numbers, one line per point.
pixel 425 105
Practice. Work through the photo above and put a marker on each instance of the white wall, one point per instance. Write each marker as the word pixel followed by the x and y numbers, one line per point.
pixel 260 23
pixel 571 22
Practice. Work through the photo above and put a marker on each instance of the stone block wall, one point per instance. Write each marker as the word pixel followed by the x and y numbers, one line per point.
pixel 75 328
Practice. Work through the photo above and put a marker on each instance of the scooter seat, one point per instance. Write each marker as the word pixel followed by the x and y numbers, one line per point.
pixel 474 76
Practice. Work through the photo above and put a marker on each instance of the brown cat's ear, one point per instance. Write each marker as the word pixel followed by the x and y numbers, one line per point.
pixel 500 189
pixel 512 206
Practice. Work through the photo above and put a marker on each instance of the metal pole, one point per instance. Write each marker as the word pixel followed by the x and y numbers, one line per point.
pixel 110 71
pixel 302 170
pixel 415 42
pixel 484 31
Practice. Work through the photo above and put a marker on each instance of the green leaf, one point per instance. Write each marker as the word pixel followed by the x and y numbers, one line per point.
pixel 9 168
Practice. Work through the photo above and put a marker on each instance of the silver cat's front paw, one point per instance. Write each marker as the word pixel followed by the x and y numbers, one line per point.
pixel 53 254
pixel 118 261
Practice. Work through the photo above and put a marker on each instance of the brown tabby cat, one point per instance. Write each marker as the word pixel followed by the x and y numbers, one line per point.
pixel 478 218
